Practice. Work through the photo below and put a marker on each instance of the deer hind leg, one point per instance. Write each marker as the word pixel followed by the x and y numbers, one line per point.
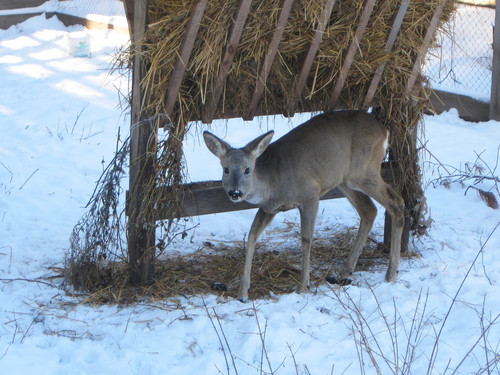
pixel 308 213
pixel 393 203
pixel 367 213
pixel 260 222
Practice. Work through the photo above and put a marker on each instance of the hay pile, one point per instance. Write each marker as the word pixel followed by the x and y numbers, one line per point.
pixel 168 21
pixel 399 109
pixel 216 269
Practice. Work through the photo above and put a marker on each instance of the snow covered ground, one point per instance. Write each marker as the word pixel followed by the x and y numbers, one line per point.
pixel 59 117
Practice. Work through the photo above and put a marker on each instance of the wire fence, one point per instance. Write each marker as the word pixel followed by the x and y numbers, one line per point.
pixel 461 59
pixel 111 11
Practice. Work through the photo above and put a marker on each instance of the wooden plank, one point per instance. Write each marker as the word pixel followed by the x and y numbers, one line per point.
pixel 311 53
pixel 14 19
pixel 69 20
pixel 184 53
pixel 425 45
pixel 20 4
pixel 398 21
pixel 495 75
pixel 140 234
pixel 351 52
pixel 203 198
pixel 468 108
pixel 227 60
pixel 128 5
pixel 269 59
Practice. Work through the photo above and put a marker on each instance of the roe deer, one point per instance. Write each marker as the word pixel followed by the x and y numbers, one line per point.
pixel 342 149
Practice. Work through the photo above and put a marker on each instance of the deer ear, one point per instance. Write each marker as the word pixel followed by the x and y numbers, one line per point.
pixel 216 145
pixel 259 144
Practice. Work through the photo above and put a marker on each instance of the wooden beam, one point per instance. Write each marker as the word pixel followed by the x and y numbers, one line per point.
pixel 398 21
pixel 14 19
pixel 351 52
pixel 20 4
pixel 311 53
pixel 269 59
pixel 227 60
pixel 495 75
pixel 140 233
pixel 203 198
pixel 433 24
pixel 181 63
pixel 128 5
pixel 469 109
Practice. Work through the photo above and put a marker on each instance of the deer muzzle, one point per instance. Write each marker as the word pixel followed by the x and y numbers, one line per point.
pixel 235 195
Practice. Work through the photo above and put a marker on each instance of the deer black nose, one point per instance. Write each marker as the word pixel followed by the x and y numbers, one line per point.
pixel 235 194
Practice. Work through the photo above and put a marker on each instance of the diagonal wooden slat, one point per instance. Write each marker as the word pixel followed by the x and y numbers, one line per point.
pixel 351 52
pixel 184 53
pixel 227 60
pixel 312 50
pixel 269 59
pixel 425 45
pixel 398 21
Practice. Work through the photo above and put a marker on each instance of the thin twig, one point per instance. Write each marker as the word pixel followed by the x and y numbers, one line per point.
pixel 225 340
pixel 434 352
pixel 262 338
pixel 218 336
pixel 28 281
pixel 31 175
pixel 483 333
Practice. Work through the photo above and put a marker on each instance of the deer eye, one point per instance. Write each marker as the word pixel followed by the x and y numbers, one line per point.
pixel 247 171
pixel 226 170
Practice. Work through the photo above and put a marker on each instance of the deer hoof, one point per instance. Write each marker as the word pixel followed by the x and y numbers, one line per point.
pixel 390 276
pixel 243 299
pixel 303 289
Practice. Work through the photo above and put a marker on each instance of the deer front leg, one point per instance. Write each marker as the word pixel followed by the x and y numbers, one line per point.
pixel 308 213
pixel 260 222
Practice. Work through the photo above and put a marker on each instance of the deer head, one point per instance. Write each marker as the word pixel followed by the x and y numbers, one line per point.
pixel 238 164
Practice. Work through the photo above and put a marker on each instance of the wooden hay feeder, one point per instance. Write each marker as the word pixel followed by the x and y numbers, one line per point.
pixel 200 60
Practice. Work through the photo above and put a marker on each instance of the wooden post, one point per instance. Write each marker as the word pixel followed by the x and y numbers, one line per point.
pixel 495 75
pixel 140 229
